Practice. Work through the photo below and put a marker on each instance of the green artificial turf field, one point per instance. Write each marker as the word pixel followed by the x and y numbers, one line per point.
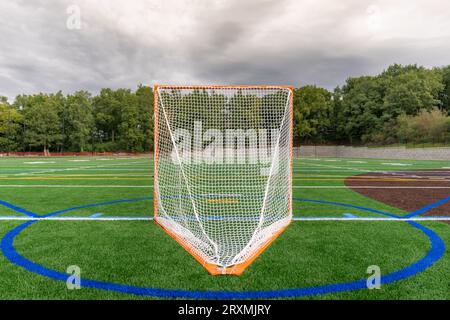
pixel 124 258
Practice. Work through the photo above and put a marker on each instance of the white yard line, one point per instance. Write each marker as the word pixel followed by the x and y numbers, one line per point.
pixel 39 162
pixel 294 219
pixel 67 186
pixel 151 186
pixel 77 218
pixel 82 168
pixel 392 175
pixel 340 167
pixel 369 187
pixel 370 219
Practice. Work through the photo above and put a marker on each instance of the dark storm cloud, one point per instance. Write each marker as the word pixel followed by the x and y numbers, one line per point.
pixel 195 41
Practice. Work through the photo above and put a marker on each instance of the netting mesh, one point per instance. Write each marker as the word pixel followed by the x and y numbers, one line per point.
pixel 223 168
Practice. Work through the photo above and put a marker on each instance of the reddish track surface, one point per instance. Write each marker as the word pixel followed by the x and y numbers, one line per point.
pixel 426 189
pixel 73 154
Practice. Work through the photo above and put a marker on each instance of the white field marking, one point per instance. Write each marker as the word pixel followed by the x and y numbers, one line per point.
pixel 313 175
pixel 358 165
pixel 365 177
pixel 75 169
pixel 151 218
pixel 68 186
pixel 116 169
pixel 242 186
pixel 393 177
pixel 338 167
pixel 230 195
pixel 76 218
pixel 370 219
pixel 328 170
pixel 445 168
pixel 297 171
pixel 98 167
pixel 362 162
pixel 369 187
pixel 333 159
pixel 80 160
pixel 396 164
pixel 299 177
pixel 346 167
pixel 89 175
pixel 311 165
pixel 423 171
pixel 413 171
pixel 104 159
pixel 39 162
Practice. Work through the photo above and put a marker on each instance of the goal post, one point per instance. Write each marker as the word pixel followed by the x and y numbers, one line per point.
pixel 223 170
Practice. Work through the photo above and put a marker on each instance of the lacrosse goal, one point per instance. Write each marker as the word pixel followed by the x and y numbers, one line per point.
pixel 223 170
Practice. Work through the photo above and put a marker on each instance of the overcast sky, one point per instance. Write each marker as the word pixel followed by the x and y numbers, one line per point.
pixel 117 43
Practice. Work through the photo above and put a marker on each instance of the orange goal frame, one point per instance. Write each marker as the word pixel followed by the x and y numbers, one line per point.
pixel 213 269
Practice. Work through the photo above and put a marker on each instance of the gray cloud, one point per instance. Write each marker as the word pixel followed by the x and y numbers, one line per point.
pixel 219 41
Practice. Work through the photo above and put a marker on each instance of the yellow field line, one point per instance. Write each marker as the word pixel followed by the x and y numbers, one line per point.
pixel 112 178
pixel 72 178
pixel 95 175
pixel 223 200
pixel 361 179
pixel 387 179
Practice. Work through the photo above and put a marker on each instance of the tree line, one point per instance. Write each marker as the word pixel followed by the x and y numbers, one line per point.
pixel 113 120
pixel 384 109
pixel 402 104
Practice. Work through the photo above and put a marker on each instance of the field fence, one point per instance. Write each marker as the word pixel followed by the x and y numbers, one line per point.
pixel 405 153
pixel 402 152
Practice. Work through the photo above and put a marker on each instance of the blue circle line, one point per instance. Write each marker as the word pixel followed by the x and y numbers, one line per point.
pixel 434 254
pixel 348 206
pixel 427 207
pixel 18 209
pixel 95 205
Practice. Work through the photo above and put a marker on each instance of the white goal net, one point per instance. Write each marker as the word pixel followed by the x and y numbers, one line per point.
pixel 223 170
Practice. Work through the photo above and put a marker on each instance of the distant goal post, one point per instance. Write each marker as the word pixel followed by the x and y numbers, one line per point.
pixel 223 169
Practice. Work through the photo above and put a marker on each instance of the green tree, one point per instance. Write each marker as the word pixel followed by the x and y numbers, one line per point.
pixel 371 105
pixel 107 114
pixel 10 124
pixel 411 90
pixel 362 107
pixel 427 126
pixel 79 120
pixel 41 120
pixel 312 113
pixel 337 117
pixel 130 127
pixel 445 93
pixel 144 96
